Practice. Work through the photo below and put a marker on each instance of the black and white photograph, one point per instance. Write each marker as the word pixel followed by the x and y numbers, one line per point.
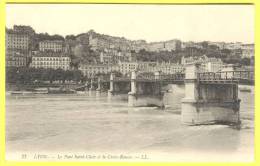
pixel 130 82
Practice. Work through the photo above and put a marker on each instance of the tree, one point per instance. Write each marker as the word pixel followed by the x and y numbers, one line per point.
pixel 245 61
pixel 70 37
pixel 59 75
pixel 68 75
pixel 213 47
pixel 24 75
pixel 46 36
pixel 84 54
pixel 226 51
pixel 77 75
pixel 51 75
pixel 204 44
pixel 11 74
pixel 44 74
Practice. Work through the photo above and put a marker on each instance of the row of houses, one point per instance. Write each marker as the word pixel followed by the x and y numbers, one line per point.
pixel 127 67
pixel 39 60
pixel 51 60
pixel 14 58
pixel 99 42
pixel 53 54
pixel 19 46
pixel 208 64
pixel 18 42
pixel 114 56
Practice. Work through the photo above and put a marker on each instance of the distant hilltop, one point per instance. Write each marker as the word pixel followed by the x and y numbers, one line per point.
pixel 99 41
pixel 95 48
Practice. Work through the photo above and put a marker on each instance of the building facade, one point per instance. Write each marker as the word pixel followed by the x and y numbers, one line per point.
pixel 19 38
pixel 233 46
pixel 49 45
pixel 107 56
pixel 171 45
pixel 212 66
pixel 138 45
pixel 24 29
pixel 17 41
pixel 220 45
pixel 94 69
pixel 168 68
pixel 98 43
pixel 113 56
pixel 191 44
pixel 15 59
pixel 52 61
pixel 208 64
pixel 128 67
pixel 248 50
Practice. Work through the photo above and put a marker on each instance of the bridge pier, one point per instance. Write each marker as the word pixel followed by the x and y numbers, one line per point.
pixel 132 96
pixel 110 92
pixel 206 103
pixel 86 86
pixel 91 84
pixel 98 90
pixel 145 92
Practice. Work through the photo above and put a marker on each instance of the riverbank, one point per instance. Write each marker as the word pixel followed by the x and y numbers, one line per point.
pixel 32 87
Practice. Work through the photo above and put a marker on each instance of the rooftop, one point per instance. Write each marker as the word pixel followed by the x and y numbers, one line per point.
pixel 50 54
pixel 51 41
pixel 10 31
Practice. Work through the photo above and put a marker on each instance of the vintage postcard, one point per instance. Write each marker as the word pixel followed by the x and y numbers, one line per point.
pixel 130 82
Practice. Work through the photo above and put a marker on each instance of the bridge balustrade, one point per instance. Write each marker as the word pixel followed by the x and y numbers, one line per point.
pixel 122 79
pixel 226 75
pixel 105 78
pixel 176 77
pixel 145 77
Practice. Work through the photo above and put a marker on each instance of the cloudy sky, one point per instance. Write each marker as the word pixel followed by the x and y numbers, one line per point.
pixel 228 23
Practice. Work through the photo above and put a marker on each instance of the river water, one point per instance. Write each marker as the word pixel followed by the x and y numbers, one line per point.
pixel 86 127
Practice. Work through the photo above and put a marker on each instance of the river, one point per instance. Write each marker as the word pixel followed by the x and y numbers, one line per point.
pixel 47 126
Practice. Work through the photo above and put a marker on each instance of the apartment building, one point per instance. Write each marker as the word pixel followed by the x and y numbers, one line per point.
pixel 51 45
pixel 51 60
pixel 15 59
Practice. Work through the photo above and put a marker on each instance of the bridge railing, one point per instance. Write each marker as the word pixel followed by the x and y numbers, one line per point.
pixel 176 76
pixel 227 75
pixel 125 78
pixel 162 77
pixel 105 78
pixel 145 77
pixel 247 76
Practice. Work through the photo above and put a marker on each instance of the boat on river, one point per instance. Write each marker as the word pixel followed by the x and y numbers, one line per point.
pixel 60 91
pixel 20 92
pixel 44 91
pixel 40 91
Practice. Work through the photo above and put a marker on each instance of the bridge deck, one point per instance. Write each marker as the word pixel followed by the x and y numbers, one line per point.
pixel 227 77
